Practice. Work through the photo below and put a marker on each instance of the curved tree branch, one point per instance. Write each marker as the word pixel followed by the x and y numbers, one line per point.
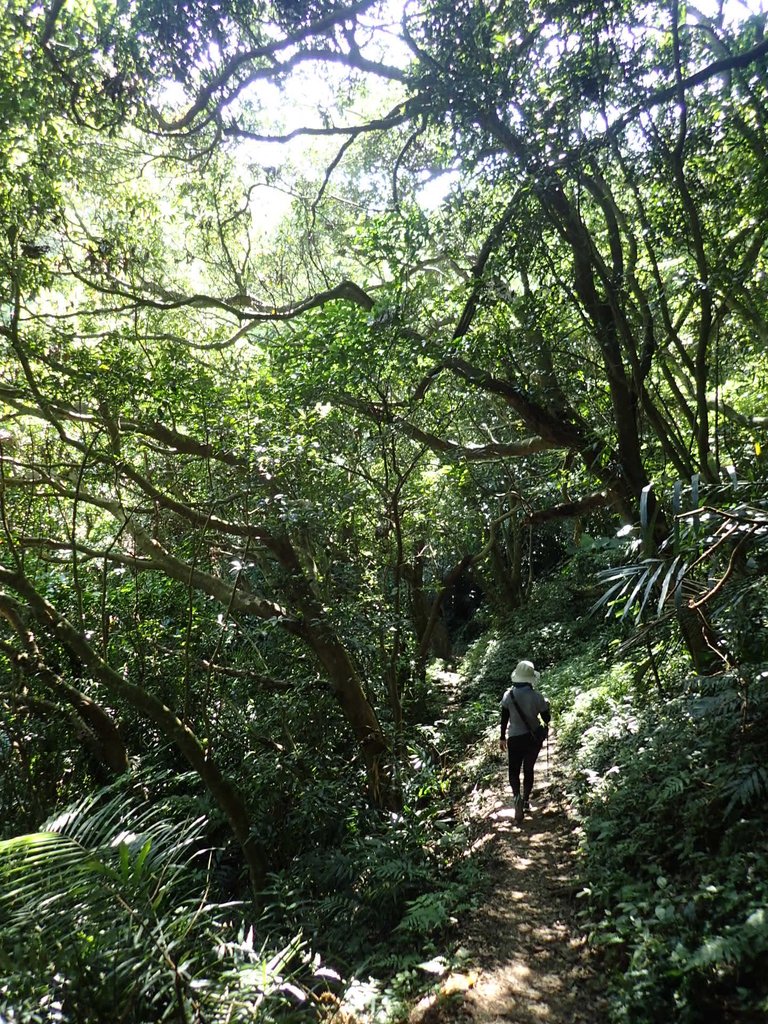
pixel 491 243
pixel 236 306
pixel 463 452
pixel 554 429
pixel 401 114
pixel 268 53
pixel 569 509
pixel 99 729
pixel 221 788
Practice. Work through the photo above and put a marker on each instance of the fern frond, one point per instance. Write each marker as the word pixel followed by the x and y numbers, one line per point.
pixel 749 785
pixel 674 786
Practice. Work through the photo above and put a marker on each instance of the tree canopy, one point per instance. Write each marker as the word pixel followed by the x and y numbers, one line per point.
pixel 323 321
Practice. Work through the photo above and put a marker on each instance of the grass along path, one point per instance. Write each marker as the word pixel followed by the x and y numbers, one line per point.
pixel 527 962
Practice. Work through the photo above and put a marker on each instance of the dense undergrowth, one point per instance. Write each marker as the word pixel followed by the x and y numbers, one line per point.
pixel 133 897
pixel 672 794
pixel 140 904
pixel 666 772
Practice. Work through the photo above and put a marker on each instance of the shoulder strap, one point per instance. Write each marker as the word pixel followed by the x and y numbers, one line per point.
pixel 520 712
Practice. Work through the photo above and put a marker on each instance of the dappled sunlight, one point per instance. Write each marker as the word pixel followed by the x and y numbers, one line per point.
pixel 533 961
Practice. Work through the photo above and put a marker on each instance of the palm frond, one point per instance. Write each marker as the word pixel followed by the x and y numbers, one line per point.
pixel 107 881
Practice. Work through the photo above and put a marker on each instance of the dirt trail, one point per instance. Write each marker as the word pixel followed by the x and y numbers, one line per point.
pixel 527 962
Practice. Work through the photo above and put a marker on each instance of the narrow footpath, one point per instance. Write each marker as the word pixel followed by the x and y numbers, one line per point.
pixel 527 962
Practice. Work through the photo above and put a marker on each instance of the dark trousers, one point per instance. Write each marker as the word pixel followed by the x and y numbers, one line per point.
pixel 523 751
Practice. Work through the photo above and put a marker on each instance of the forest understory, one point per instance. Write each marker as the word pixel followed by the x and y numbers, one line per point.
pixel 352 351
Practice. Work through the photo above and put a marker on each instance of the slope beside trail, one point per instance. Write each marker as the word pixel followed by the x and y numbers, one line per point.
pixel 526 961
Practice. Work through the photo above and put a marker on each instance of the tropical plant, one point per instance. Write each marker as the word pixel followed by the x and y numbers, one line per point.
pixel 709 574
pixel 109 910
pixel 265 406
pixel 672 804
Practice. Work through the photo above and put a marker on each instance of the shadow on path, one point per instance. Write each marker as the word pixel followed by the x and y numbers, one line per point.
pixel 530 964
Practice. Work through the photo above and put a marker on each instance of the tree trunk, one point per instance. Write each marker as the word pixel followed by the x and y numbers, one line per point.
pixel 424 625
pixel 448 580
pixel 224 792
pixel 700 639
pixel 344 679
pixel 507 569
pixel 358 712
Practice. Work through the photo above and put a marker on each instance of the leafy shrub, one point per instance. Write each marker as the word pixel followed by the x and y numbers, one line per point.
pixel 385 889
pixel 672 798
pixel 375 892
pixel 108 907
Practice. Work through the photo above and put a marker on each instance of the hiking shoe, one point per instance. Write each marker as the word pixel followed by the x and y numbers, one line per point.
pixel 526 806
pixel 519 809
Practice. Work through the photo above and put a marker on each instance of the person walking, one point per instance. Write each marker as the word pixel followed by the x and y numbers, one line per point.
pixel 522 733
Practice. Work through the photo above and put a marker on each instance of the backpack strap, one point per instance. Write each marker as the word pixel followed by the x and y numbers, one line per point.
pixel 523 717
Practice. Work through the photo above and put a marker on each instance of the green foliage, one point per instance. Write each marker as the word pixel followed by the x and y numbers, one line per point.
pixel 108 905
pixel 666 773
pixel 672 796
pixel 712 564
pixel 381 886
pixel 243 483
pixel 551 629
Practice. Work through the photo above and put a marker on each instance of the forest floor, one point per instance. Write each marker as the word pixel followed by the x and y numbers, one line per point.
pixel 526 961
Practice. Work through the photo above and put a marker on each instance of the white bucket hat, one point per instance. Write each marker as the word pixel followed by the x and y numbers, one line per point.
pixel 525 673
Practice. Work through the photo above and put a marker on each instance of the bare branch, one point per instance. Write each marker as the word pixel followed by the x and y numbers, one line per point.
pixel 401 114
pixel 236 307
pixel 100 731
pixel 50 22
pixel 558 431
pixel 569 509
pixel 159 558
pixel 491 243
pixel 731 568
pixel 476 453
pixel 173 440
pixel 462 452
pixel 177 569
pixel 268 682
pixel 737 417
pixel 193 515
pixel 88 552
pixel 227 82
pixel 327 176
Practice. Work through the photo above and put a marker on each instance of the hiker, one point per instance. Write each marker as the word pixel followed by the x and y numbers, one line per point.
pixel 521 731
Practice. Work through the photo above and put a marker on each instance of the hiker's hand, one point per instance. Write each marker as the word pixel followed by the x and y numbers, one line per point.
pixel 502 745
